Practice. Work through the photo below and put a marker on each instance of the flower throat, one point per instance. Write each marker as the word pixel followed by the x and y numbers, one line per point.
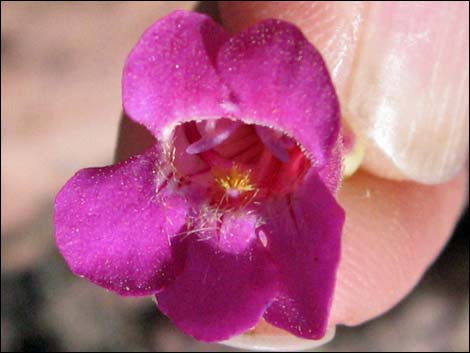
pixel 236 164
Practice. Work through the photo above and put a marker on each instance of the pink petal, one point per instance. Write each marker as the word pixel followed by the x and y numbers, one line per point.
pixel 114 228
pixel 278 79
pixel 169 75
pixel 303 234
pixel 226 285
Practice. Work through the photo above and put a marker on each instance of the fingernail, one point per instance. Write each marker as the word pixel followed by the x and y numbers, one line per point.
pixel 268 338
pixel 408 94
pixel 401 73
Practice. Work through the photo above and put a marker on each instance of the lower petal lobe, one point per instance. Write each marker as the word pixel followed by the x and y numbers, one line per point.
pixel 227 282
pixel 114 225
pixel 303 232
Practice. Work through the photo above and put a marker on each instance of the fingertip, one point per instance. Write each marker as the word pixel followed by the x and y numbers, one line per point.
pixel 393 232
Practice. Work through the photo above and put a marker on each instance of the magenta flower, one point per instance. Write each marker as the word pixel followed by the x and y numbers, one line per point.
pixel 230 217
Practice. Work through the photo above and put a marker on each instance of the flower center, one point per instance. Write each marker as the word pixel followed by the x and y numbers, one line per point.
pixel 236 164
pixel 235 183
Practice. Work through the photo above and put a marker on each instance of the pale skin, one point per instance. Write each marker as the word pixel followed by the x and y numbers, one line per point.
pixel 394 228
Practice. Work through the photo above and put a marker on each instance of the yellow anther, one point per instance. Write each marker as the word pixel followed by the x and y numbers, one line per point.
pixel 235 182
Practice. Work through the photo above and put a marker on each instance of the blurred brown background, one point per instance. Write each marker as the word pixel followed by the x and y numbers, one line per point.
pixel 60 79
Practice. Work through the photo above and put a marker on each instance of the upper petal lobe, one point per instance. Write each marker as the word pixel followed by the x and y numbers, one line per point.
pixel 277 78
pixel 170 74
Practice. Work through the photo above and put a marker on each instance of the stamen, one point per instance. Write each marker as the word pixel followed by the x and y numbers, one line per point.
pixel 277 143
pixel 216 133
pixel 235 183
